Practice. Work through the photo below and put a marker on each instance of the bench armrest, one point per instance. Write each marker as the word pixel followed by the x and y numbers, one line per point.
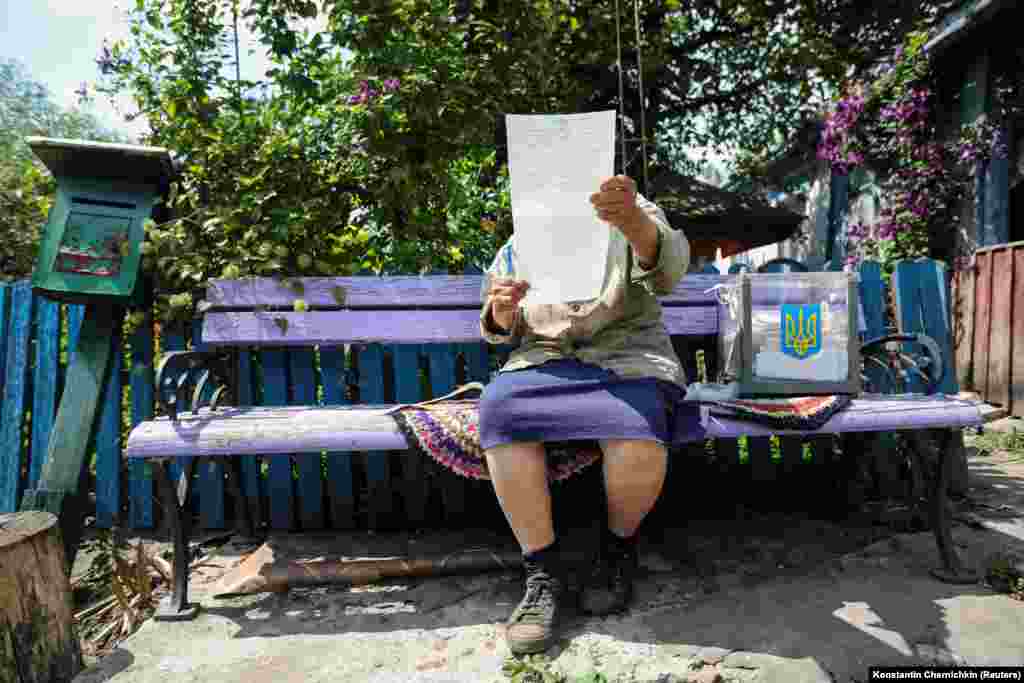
pixel 181 371
pixel 931 368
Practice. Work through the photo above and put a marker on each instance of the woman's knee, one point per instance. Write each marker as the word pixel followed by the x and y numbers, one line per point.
pixel 633 448
pixel 509 451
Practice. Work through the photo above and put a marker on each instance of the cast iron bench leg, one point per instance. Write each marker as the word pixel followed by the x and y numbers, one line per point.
pixel 933 446
pixel 243 513
pixel 177 507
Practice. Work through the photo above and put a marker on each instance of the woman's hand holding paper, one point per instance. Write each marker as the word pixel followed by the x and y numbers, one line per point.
pixel 615 202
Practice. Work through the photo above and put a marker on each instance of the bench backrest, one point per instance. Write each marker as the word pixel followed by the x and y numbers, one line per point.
pixel 391 310
pixel 444 309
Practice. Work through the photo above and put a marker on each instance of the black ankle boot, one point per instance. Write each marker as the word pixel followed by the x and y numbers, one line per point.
pixel 609 588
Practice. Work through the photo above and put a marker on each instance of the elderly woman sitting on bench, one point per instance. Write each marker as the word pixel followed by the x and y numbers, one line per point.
pixel 601 370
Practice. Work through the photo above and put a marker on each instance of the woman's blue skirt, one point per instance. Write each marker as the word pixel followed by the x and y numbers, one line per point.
pixel 566 400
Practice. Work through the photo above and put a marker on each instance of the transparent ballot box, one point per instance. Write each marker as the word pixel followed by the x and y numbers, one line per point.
pixel 790 334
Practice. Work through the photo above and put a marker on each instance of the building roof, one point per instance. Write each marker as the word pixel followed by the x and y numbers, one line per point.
pixel 962 21
pixel 712 217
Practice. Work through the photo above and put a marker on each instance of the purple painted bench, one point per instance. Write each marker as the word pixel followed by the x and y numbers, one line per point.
pixel 428 310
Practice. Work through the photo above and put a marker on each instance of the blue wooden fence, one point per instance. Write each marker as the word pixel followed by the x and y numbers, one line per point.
pixel 374 490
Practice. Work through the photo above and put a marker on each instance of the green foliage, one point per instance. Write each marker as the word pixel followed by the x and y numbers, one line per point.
pixel 26 193
pixel 26 188
pixel 537 669
pixel 531 669
pixel 375 144
pixel 991 442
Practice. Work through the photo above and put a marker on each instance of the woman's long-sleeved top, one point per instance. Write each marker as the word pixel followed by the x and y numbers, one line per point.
pixel 621 330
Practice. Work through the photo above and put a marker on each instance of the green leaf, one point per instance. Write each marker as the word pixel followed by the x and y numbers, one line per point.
pixel 282 324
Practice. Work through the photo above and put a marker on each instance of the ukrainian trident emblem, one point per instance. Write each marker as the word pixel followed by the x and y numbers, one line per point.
pixel 800 329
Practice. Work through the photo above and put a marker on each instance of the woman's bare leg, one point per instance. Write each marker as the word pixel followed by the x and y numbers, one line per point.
pixel 519 475
pixel 634 473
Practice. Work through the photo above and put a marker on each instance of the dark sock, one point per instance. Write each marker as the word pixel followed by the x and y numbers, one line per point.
pixel 545 557
pixel 613 541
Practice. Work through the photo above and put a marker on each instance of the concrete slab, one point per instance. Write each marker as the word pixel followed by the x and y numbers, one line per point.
pixel 790 601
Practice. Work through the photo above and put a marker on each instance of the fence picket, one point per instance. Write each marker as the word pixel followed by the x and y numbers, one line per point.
pixel 442 380
pixel 340 488
pixel 279 466
pixel 210 483
pixel 108 443
pixel 75 314
pixel 922 305
pixel 5 316
pixel 252 481
pixel 44 383
pixel 408 390
pixel 309 488
pixel 371 391
pixel 15 396
pixel 140 473
pixel 872 295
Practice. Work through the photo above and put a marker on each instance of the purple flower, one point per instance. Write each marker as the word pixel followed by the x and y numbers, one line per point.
pixel 391 85
pixel 899 54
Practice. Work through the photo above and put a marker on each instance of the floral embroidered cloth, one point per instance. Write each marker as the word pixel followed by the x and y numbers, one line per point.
pixel 797 412
pixel 447 432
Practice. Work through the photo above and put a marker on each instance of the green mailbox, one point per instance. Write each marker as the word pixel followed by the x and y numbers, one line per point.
pixel 90 251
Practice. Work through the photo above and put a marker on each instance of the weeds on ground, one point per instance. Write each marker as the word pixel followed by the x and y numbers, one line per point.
pixel 122 583
pixel 1004 575
pixel 991 442
pixel 537 669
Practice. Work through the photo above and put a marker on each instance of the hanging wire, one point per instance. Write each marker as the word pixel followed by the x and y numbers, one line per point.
pixel 622 95
pixel 643 93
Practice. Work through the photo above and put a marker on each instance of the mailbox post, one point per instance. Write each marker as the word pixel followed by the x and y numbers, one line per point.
pixel 90 254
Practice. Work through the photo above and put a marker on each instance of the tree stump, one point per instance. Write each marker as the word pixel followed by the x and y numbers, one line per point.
pixel 38 640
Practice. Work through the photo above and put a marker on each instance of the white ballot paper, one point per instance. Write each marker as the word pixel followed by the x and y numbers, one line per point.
pixel 556 162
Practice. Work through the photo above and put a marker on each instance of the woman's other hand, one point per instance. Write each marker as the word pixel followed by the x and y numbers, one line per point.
pixel 505 295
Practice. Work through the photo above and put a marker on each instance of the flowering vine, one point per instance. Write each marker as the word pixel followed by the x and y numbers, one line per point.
pixel 891 123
